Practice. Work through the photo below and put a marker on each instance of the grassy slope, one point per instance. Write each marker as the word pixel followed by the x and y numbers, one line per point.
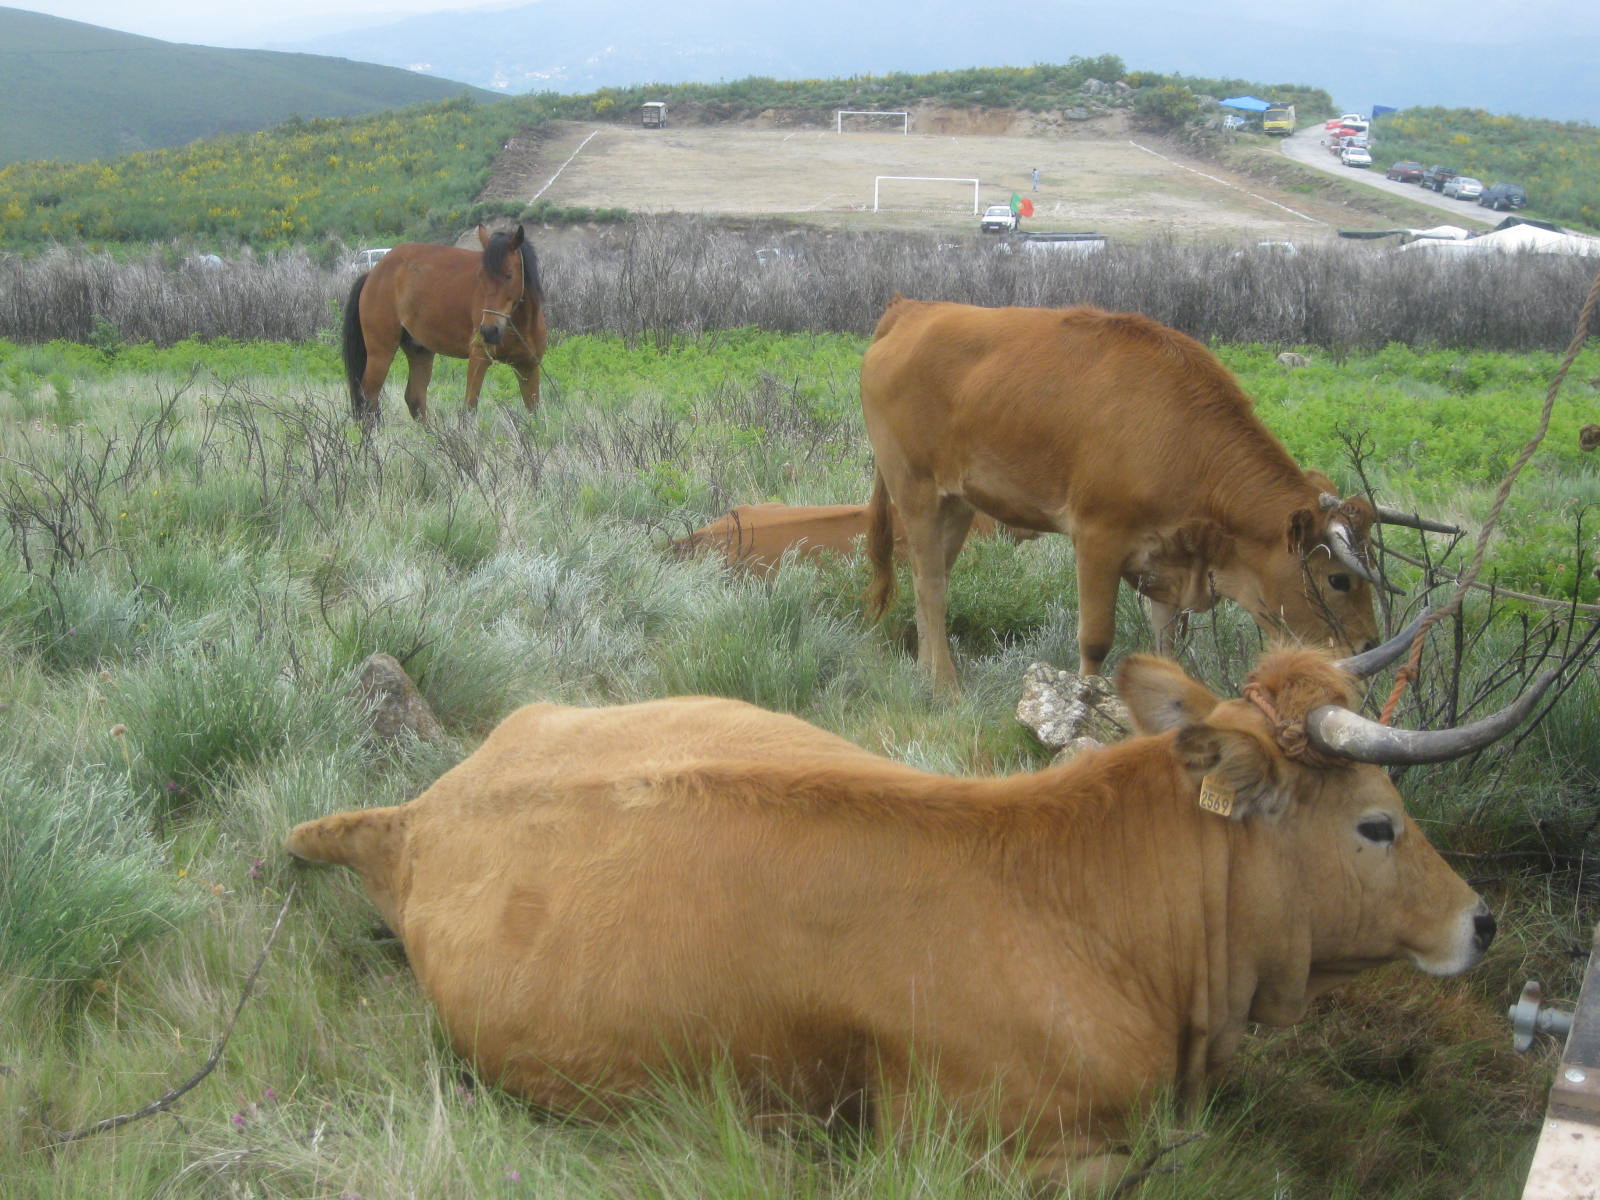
pixel 534 574
pixel 76 91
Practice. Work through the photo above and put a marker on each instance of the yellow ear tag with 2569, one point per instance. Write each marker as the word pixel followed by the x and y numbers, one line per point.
pixel 1217 795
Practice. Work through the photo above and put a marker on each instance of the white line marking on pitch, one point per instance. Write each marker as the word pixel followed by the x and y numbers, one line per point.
pixel 563 167
pixel 1226 184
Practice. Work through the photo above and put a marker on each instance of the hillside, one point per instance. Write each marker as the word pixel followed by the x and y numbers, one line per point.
pixel 76 92
pixel 1399 58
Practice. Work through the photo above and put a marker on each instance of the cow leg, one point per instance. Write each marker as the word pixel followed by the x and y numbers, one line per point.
pixel 1099 572
pixel 956 516
pixel 1094 1175
pixel 419 368
pixel 927 545
pixel 1170 624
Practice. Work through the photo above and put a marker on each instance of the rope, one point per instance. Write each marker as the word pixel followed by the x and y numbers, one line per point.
pixel 1408 672
pixel 1290 735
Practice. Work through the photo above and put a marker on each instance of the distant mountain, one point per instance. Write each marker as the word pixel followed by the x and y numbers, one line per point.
pixel 73 91
pixel 1380 57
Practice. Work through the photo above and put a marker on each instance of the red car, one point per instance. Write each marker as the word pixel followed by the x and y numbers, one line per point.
pixel 1405 171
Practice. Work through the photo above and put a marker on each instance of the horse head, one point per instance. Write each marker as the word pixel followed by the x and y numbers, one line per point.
pixel 503 283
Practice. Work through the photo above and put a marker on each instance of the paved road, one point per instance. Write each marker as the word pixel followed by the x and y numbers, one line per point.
pixel 1309 146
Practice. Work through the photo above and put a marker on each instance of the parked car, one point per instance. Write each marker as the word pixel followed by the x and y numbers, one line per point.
pixel 1347 119
pixel 1355 156
pixel 1405 171
pixel 1435 177
pixel 998 218
pixel 365 260
pixel 1503 195
pixel 1463 187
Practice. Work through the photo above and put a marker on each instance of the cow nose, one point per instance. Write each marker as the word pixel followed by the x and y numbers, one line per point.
pixel 1483 929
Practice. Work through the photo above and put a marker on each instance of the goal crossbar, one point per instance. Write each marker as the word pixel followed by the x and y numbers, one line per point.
pixel 879 180
pixel 840 114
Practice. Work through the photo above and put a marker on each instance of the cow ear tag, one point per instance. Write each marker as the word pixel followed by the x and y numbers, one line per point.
pixel 1217 795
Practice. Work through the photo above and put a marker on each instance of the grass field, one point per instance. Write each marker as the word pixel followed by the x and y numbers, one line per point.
pixel 1100 176
pixel 194 567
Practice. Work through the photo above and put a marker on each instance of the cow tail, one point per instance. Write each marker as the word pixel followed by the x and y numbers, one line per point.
pixel 355 347
pixel 880 549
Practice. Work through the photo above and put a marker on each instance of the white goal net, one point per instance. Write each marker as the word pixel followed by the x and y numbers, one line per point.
pixel 923 192
pixel 864 120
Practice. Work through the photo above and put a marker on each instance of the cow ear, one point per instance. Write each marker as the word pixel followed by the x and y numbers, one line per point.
pixel 1237 773
pixel 1160 696
pixel 1304 530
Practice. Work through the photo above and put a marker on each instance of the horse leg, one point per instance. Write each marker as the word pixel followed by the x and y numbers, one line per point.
pixel 477 367
pixel 419 363
pixel 377 370
pixel 528 378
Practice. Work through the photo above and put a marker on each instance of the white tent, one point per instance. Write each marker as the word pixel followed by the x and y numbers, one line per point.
pixel 1510 240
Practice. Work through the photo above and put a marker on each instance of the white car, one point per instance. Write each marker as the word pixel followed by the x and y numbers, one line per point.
pixel 998 218
pixel 1463 187
pixel 1355 156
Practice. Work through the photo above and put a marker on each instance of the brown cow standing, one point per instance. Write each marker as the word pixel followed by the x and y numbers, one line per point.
pixel 598 897
pixel 1130 437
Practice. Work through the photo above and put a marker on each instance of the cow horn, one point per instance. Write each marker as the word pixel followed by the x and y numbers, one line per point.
pixel 1339 543
pixel 1370 662
pixel 1345 734
pixel 1394 516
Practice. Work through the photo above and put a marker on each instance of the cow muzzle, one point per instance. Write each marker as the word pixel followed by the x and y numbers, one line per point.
pixel 1474 931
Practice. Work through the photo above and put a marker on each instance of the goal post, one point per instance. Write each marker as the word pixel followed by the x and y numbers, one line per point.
pixel 840 114
pixel 879 180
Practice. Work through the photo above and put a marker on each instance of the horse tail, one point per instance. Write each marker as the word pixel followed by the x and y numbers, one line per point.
pixel 355 347
pixel 880 549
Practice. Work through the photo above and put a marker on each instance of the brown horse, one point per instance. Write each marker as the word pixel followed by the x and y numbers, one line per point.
pixel 426 300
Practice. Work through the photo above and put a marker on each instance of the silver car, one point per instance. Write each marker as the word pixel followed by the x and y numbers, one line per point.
pixel 1463 187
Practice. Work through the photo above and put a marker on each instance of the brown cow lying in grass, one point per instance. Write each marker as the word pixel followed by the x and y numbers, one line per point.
pixel 598 897
pixel 756 536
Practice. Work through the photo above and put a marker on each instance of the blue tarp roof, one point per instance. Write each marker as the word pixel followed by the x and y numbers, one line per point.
pixel 1247 103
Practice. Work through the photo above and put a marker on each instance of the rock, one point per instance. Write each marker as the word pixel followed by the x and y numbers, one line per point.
pixel 1068 712
pixel 397 707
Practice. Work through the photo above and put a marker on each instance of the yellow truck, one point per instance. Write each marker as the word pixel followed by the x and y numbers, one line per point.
pixel 1278 120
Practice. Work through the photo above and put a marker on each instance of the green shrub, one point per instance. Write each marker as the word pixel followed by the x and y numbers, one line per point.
pixel 196 716
pixel 83 884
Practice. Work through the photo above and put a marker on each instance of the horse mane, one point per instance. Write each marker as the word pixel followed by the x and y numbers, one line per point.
pixel 494 259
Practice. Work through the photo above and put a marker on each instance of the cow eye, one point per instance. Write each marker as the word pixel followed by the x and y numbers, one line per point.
pixel 1339 583
pixel 1376 829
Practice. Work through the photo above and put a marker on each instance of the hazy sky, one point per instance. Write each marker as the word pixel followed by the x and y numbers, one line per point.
pixel 246 25
pixel 214 23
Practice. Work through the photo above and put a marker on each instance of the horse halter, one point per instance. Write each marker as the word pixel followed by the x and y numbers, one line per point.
pixel 511 323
